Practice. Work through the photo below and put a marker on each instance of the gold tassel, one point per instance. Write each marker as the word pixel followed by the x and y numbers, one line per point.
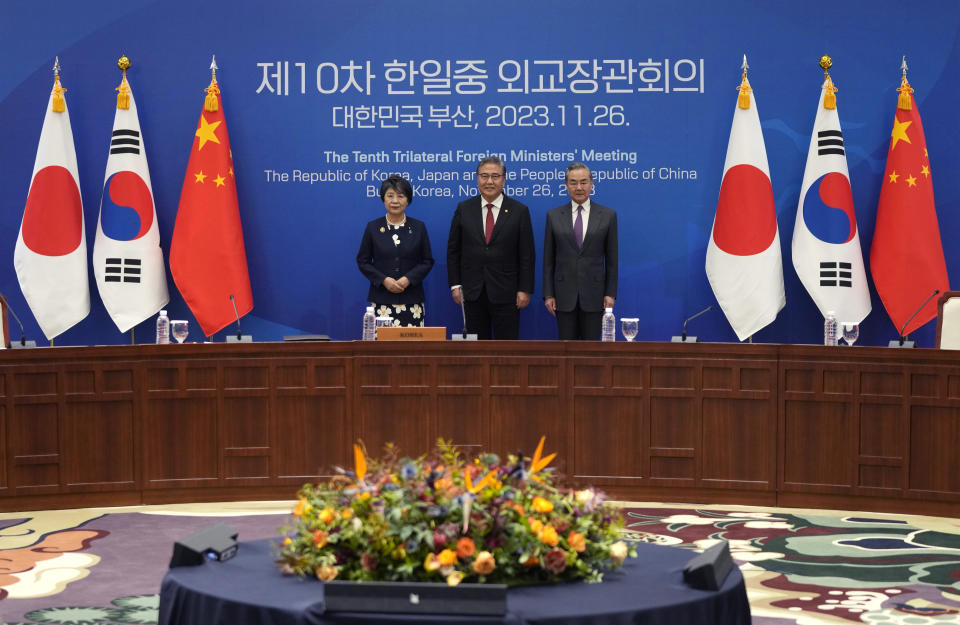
pixel 123 91
pixel 830 97
pixel 743 100
pixel 59 104
pixel 211 104
pixel 905 102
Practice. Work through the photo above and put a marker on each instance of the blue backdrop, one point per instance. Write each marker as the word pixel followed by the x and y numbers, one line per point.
pixel 345 92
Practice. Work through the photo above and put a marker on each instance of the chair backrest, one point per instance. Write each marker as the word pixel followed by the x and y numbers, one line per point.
pixel 948 320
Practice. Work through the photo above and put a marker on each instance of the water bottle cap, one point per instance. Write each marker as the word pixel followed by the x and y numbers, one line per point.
pixel 609 310
pixel 369 309
pixel 163 313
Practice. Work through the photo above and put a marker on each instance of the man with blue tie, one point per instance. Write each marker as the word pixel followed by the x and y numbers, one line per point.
pixel 491 256
pixel 580 260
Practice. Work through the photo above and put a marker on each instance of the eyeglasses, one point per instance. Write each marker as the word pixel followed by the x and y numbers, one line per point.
pixel 579 183
pixel 493 177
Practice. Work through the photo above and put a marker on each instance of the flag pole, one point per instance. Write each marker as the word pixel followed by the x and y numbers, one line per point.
pixel 133 340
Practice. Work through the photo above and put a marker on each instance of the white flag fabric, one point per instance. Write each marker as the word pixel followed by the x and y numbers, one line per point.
pixel 127 259
pixel 826 240
pixel 744 265
pixel 50 257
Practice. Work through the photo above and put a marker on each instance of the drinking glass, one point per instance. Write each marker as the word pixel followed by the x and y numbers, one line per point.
pixel 629 327
pixel 179 328
pixel 851 331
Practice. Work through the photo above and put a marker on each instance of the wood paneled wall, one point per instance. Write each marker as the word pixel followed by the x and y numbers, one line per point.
pixel 855 428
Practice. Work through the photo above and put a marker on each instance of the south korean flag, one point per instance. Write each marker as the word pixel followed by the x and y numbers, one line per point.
pixel 826 240
pixel 127 259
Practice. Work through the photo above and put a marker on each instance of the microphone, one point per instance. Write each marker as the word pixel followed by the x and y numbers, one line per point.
pixel 463 312
pixel 903 342
pixel 240 337
pixel 683 338
pixel 23 342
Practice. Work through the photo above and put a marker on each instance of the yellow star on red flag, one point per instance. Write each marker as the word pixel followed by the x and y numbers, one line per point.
pixel 207 132
pixel 899 132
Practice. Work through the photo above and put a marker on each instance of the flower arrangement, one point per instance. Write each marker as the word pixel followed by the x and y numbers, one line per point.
pixel 443 518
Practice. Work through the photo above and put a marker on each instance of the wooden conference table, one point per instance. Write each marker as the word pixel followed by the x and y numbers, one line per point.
pixel 864 428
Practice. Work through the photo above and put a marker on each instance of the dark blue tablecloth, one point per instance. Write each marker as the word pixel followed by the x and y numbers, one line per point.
pixel 250 590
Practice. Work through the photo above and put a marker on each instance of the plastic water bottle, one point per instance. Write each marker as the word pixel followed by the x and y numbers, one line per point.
pixel 163 328
pixel 608 330
pixel 369 329
pixel 830 328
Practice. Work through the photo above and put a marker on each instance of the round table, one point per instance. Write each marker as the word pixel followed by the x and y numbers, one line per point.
pixel 249 589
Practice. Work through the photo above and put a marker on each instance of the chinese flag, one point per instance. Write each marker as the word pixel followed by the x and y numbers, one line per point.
pixel 207 256
pixel 906 257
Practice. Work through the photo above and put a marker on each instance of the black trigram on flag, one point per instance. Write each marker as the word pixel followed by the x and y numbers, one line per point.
pixel 836 274
pixel 125 142
pixel 829 142
pixel 122 270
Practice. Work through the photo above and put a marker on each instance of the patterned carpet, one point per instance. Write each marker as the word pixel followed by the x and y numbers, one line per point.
pixel 104 566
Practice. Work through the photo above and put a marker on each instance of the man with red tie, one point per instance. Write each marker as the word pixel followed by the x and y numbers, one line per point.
pixel 580 260
pixel 491 256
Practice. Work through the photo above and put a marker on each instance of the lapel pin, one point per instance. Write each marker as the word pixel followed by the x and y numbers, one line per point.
pixel 382 229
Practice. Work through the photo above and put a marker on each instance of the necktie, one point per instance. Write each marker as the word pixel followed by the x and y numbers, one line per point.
pixel 489 225
pixel 578 228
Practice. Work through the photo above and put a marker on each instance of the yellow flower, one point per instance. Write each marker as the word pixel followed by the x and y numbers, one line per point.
pixel 485 563
pixel 302 506
pixel 327 515
pixel 399 553
pixel 577 541
pixel 287 541
pixel 447 557
pixel 583 496
pixel 431 563
pixel 541 505
pixel 535 525
pixel 548 536
pixel 618 551
pixel 346 513
pixel 454 578
pixel 326 573
pixel 363 496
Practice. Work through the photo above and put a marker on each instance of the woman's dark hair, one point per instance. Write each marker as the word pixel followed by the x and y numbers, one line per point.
pixel 398 184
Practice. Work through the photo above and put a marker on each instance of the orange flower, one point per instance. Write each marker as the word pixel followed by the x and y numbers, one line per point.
pixel 431 563
pixel 541 505
pixel 535 525
pixel 531 561
pixel 301 507
pixel 443 483
pixel 320 539
pixel 326 573
pixel 548 536
pixel 363 496
pixel 447 557
pixel 485 563
pixel 327 515
pixel 346 513
pixel 576 541
pixel 465 547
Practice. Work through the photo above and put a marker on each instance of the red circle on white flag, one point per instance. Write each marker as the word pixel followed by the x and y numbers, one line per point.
pixel 746 219
pixel 53 217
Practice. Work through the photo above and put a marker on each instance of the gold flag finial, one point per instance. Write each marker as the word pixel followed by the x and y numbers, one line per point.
pixel 905 101
pixel 743 100
pixel 211 103
pixel 59 105
pixel 123 91
pixel 830 97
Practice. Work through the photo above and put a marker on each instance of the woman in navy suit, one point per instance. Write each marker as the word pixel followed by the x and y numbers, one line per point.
pixel 395 257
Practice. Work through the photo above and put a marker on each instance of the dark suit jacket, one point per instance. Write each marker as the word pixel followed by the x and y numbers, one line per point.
pixel 590 273
pixel 379 257
pixel 505 266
